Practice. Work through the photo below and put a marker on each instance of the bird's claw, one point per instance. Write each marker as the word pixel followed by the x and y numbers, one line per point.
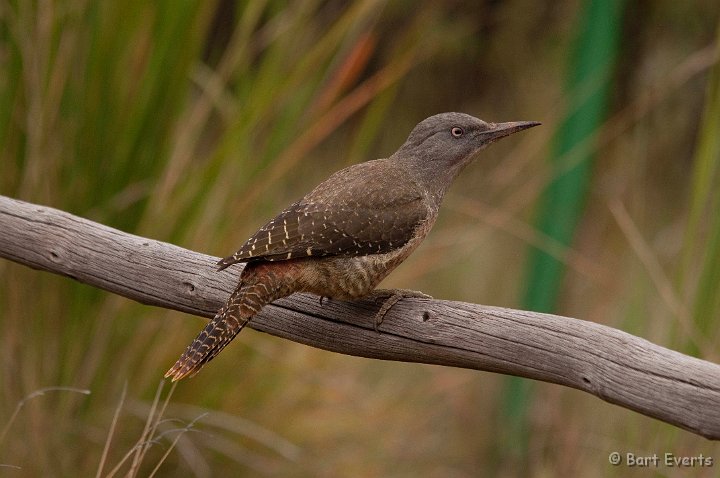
pixel 392 297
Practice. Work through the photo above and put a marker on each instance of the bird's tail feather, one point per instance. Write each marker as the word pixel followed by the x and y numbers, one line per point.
pixel 227 323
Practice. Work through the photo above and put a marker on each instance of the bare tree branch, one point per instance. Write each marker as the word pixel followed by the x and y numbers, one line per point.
pixel 613 365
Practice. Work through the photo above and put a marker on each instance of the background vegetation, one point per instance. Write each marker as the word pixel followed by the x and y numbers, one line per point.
pixel 194 122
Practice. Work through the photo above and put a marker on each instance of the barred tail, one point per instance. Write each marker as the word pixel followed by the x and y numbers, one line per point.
pixel 227 323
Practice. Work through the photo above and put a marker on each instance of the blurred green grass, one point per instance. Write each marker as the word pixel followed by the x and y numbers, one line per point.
pixel 194 122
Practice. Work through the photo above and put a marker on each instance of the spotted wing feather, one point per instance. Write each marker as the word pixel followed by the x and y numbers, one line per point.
pixel 357 211
pixel 304 230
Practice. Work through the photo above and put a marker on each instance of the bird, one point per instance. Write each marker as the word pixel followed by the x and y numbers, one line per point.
pixel 346 235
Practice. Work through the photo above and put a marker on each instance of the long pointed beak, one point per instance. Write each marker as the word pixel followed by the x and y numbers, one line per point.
pixel 500 130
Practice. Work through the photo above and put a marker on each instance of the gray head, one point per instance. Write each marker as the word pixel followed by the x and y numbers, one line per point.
pixel 441 145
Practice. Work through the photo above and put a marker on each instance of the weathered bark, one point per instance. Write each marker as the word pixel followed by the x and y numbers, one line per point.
pixel 613 365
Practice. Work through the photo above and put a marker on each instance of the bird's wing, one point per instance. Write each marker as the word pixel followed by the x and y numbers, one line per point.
pixel 323 224
pixel 298 232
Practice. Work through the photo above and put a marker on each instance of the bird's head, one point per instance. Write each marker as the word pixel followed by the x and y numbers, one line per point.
pixel 441 145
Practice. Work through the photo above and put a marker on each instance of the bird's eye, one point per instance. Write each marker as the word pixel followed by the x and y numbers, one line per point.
pixel 457 132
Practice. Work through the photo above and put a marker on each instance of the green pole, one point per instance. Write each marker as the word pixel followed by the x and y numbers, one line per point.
pixel 561 204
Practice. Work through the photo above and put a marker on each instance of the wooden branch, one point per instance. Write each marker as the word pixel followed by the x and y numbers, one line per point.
pixel 611 364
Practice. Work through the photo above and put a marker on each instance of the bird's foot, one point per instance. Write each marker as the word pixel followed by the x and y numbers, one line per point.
pixel 324 297
pixel 392 297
